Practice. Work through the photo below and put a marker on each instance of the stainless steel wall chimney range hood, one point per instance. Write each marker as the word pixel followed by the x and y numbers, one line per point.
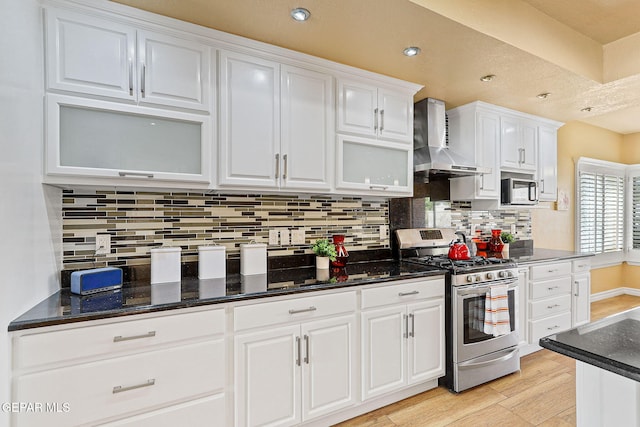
pixel 431 155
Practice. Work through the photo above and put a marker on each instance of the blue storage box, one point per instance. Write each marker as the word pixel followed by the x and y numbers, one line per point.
pixel 96 280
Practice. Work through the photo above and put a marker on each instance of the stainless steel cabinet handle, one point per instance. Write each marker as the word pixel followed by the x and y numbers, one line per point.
pixel 143 79
pixel 306 348
pixel 413 325
pixel 299 351
pixel 552 270
pixel 277 166
pixel 553 306
pixel 375 120
pixel 542 185
pixel 120 389
pixel 284 175
pixel 551 328
pixel 304 310
pixel 378 187
pixel 577 288
pixel 381 120
pixel 138 174
pixel 553 287
pixel 404 294
pixel 406 325
pixel 120 338
pixel 130 78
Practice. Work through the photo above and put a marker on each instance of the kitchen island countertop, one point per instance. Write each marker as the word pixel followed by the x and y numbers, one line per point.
pixel 545 255
pixel 138 297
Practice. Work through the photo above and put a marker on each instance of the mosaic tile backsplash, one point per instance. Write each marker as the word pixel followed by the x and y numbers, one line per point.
pixel 140 221
pixel 518 220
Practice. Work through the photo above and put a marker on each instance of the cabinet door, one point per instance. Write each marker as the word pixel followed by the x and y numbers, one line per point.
pixel 487 154
pixel 90 55
pixel 249 121
pixel 307 128
pixel 383 350
pixel 94 138
pixel 548 164
pixel 267 377
pixel 329 374
pixel 395 115
pixel 173 71
pixel 426 341
pixel 581 299
pixel 523 286
pixel 357 108
pixel 529 144
pixel 374 168
pixel 510 149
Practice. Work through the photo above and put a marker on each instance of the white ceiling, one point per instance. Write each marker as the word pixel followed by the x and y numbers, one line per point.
pixel 583 52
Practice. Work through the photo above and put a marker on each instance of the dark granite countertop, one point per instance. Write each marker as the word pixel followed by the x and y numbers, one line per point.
pixel 544 255
pixel 612 343
pixel 138 297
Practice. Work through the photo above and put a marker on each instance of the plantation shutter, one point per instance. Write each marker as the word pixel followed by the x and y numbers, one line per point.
pixel 601 211
pixel 635 212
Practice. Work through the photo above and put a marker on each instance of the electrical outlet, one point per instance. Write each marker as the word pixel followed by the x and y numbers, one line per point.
pixel 103 244
pixel 284 237
pixel 384 230
pixel 273 237
pixel 297 237
pixel 513 229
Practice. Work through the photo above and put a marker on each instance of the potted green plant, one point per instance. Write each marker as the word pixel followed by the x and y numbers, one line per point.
pixel 324 251
pixel 506 238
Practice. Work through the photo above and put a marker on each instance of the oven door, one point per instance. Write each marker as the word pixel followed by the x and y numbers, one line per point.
pixel 468 321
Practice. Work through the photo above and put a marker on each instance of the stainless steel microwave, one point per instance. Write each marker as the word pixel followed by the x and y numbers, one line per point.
pixel 519 191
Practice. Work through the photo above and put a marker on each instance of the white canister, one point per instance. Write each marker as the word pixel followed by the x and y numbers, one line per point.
pixel 212 262
pixel 165 265
pixel 253 258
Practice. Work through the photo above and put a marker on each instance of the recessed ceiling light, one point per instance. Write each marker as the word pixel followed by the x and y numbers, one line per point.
pixel 543 95
pixel 488 77
pixel 411 51
pixel 586 109
pixel 300 14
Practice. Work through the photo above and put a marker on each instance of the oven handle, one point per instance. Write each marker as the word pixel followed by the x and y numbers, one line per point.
pixel 480 291
pixel 509 354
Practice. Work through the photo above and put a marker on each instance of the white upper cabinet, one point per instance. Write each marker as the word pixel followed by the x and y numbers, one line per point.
pixel 275 124
pixel 476 129
pixel 365 109
pixel 94 56
pixel 519 144
pixel 548 163
pixel 249 121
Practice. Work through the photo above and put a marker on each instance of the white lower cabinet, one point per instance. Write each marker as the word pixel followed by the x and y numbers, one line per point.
pixel 139 384
pixel 402 344
pixel 581 299
pixel 293 373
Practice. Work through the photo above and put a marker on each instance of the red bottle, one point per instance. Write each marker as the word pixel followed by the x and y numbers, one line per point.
pixel 495 243
pixel 341 251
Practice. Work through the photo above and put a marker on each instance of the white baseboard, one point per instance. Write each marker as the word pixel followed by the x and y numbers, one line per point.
pixel 614 293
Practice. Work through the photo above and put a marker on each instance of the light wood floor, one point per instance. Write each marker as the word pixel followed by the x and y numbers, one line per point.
pixel 541 394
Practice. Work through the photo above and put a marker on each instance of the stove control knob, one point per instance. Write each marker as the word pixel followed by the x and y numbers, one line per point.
pixel 490 276
pixel 478 278
pixel 470 278
pixel 503 274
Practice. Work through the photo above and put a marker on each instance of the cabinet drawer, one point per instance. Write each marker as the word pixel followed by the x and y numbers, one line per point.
pixel 547 307
pixel 548 288
pixel 550 325
pixel 581 265
pixel 145 380
pixel 208 411
pixel 403 292
pixel 546 271
pixel 33 349
pixel 272 313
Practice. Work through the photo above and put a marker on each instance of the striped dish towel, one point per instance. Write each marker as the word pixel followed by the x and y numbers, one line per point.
pixel 496 315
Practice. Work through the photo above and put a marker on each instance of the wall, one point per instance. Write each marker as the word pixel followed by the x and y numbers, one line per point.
pixel 139 221
pixel 554 229
pixel 30 212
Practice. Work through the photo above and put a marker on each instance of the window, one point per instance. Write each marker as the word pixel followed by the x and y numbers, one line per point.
pixel 600 210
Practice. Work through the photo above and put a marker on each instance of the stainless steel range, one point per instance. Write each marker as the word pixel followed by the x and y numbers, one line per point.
pixel 473 356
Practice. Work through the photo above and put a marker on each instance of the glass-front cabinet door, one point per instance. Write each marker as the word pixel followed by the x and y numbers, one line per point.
pixel 100 139
pixel 374 167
